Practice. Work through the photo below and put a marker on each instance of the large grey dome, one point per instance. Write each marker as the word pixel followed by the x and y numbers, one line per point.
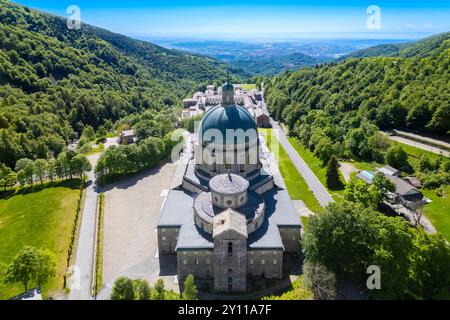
pixel 226 118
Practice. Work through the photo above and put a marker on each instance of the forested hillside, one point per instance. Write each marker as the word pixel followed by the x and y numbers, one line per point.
pixel 55 81
pixel 341 103
pixel 420 48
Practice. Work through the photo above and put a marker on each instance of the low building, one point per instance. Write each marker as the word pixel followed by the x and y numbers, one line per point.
pixel 366 176
pixel 187 103
pixel 415 182
pixel 407 194
pixel 388 170
pixel 128 137
pixel 262 118
pixel 33 294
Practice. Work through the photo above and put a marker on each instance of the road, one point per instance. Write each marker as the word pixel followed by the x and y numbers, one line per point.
pixel 80 283
pixel 319 191
pixel 314 184
pixel 420 145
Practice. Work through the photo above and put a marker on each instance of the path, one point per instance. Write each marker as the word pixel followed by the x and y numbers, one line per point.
pixel 81 280
pixel 319 191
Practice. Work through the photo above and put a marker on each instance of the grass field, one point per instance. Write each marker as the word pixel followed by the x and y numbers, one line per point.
pixel 42 218
pixel 295 184
pixel 248 86
pixel 317 167
pixel 439 210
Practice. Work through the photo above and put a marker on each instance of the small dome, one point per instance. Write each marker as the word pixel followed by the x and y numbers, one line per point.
pixel 227 86
pixel 228 118
pixel 228 184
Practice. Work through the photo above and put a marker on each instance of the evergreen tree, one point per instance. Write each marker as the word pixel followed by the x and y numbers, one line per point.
pixel 334 181
pixel 123 289
pixel 190 289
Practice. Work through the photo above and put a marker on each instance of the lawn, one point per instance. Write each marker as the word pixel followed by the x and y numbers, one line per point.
pixel 248 86
pixel 439 210
pixel 295 184
pixel 317 167
pixel 44 219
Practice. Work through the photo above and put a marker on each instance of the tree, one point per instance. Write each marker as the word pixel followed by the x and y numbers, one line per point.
pixel 88 133
pixel 31 264
pixel 320 281
pixel 52 169
pixel 26 169
pixel 360 192
pixel 334 181
pixel 79 165
pixel 397 157
pixel 8 177
pixel 40 169
pixel 190 289
pixel 324 149
pixel 123 289
pixel 158 292
pixel 46 267
pixel 142 289
pixel 383 184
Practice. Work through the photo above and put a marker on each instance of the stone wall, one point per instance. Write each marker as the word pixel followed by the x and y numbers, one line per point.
pixel 267 263
pixel 199 263
pixel 167 239
pixel 230 269
pixel 291 239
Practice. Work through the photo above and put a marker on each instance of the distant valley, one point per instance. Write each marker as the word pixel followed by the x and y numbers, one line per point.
pixel 271 58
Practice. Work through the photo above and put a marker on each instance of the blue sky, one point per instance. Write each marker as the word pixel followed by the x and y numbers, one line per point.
pixel 219 18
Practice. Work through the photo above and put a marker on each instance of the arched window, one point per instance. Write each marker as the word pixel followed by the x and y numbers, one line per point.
pixel 230 249
pixel 230 284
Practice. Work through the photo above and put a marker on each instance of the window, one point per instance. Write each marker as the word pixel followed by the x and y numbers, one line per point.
pixel 208 261
pixel 163 238
pixel 216 199
pixel 196 261
pixel 251 261
pixel 274 261
pixel 163 230
pixel 230 249
pixel 263 261
pixel 230 284
pixel 242 199
pixel 229 202
pixel 256 225
pixel 184 261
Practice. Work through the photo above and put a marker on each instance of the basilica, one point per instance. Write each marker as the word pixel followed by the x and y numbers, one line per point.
pixel 228 219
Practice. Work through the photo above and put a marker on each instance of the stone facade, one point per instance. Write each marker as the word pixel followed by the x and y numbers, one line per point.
pixel 230 262
pixel 198 262
pixel 291 238
pixel 228 222
pixel 265 263
pixel 167 239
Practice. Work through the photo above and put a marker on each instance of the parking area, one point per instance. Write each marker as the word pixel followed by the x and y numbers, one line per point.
pixel 132 209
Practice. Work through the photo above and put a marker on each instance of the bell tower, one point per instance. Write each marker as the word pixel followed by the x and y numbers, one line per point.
pixel 228 94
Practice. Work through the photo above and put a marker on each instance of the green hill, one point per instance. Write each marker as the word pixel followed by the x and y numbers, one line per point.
pixel 422 48
pixel 55 81
pixel 391 92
